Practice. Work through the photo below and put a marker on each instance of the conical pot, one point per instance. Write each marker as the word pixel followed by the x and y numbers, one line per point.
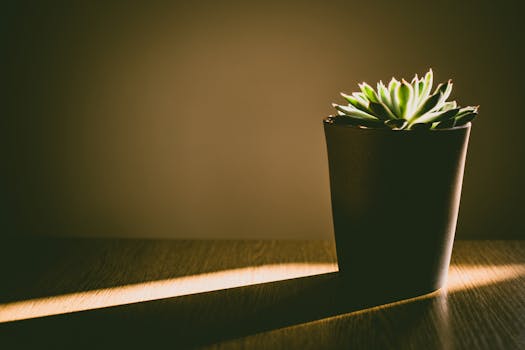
pixel 395 200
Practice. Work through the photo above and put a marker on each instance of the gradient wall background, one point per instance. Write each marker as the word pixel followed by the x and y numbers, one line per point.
pixel 203 119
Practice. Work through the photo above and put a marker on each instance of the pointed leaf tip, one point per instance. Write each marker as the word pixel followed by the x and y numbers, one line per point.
pixel 369 92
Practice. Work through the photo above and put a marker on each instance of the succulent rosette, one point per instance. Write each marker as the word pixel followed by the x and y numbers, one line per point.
pixel 403 106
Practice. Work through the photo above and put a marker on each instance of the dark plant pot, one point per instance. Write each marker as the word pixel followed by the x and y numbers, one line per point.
pixel 395 201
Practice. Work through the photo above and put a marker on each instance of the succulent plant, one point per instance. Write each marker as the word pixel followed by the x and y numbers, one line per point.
pixel 403 106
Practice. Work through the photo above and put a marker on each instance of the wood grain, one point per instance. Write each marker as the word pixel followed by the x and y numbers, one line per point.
pixel 483 307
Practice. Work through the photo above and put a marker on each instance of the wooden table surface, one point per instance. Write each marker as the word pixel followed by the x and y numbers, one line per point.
pixel 75 293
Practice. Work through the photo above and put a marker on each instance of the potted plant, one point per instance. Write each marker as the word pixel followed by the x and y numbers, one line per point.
pixel 396 156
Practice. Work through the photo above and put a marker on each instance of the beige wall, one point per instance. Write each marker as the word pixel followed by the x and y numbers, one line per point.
pixel 203 119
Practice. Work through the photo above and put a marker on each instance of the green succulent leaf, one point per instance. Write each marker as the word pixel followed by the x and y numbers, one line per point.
pixel 430 104
pixel 384 95
pixel 380 111
pixel 392 89
pixel 356 102
pixel 437 116
pixel 369 92
pixel 426 87
pixel 446 89
pixel 415 87
pixel 404 96
pixel 392 86
pixel 354 112
pixel 415 80
pixel 449 105
pixel 469 109
pixel 465 118
pixel 420 87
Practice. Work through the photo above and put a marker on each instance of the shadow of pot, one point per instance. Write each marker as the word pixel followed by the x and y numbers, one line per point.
pixel 395 200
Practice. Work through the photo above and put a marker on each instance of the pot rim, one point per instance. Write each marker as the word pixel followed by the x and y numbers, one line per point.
pixel 325 123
